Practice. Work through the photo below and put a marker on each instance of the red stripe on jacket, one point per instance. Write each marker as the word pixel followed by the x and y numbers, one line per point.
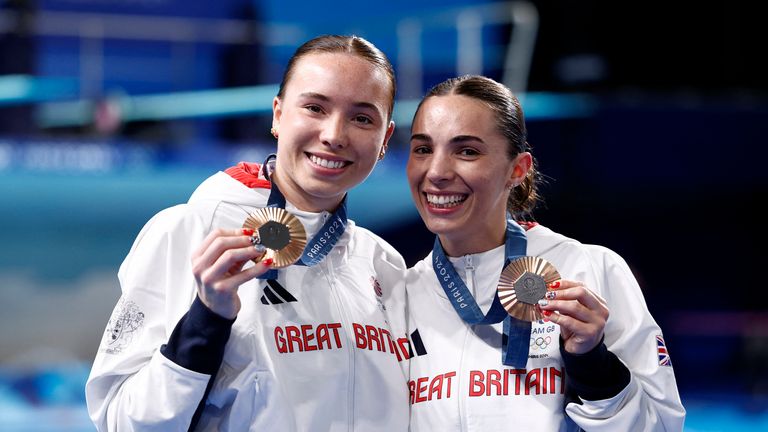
pixel 247 173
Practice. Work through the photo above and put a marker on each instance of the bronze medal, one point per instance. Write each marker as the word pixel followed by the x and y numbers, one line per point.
pixel 280 232
pixel 524 282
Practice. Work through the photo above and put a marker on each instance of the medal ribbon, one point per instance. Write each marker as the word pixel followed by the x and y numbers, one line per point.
pixel 517 333
pixel 323 242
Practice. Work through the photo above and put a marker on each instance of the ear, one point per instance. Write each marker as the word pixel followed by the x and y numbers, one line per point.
pixel 390 131
pixel 387 136
pixel 277 112
pixel 520 167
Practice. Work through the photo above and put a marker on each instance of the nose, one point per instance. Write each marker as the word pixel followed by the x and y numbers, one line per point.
pixel 439 168
pixel 334 132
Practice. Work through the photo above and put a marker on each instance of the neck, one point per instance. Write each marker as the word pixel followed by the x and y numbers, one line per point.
pixel 467 245
pixel 472 238
pixel 301 200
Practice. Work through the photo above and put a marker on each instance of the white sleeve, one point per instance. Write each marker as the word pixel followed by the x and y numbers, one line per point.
pixel 132 386
pixel 650 402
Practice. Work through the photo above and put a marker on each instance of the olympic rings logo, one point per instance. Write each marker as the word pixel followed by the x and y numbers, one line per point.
pixel 540 342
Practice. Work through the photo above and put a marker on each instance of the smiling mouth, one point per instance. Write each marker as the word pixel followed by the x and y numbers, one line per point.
pixel 445 201
pixel 326 163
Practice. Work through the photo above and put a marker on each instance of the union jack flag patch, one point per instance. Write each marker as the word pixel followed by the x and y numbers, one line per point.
pixel 661 348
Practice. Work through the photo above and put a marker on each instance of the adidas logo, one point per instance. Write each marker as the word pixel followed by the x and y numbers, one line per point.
pixel 274 293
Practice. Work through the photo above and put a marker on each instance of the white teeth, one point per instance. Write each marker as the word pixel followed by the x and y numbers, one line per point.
pixel 445 200
pixel 326 163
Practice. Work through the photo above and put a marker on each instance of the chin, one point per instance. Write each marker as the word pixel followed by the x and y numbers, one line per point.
pixel 440 227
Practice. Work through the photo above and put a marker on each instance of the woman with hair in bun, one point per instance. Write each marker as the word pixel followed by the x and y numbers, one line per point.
pixel 210 334
pixel 512 325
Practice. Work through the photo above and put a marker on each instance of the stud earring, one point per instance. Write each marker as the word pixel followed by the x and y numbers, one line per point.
pixel 273 131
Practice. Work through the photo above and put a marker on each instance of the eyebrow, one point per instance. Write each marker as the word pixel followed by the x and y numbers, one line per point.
pixel 457 139
pixel 465 138
pixel 322 97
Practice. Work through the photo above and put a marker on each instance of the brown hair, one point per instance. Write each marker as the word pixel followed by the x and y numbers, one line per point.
pixel 511 123
pixel 354 45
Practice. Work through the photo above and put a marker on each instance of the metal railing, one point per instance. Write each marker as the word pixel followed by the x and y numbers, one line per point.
pixel 92 30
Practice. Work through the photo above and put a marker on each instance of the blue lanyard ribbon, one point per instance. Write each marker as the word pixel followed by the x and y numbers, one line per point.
pixel 517 333
pixel 321 243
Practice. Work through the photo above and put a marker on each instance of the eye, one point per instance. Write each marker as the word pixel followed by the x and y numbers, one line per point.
pixel 317 109
pixel 363 119
pixel 422 150
pixel 469 151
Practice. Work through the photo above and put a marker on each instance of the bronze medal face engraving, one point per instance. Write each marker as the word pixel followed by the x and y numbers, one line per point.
pixel 530 288
pixel 524 282
pixel 280 232
pixel 274 235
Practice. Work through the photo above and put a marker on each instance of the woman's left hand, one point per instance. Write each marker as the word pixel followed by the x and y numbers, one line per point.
pixel 580 313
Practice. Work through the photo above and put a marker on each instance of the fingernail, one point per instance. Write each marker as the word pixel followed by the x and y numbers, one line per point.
pixel 248 231
pixel 543 302
pixel 268 262
pixel 555 284
pixel 546 313
pixel 550 295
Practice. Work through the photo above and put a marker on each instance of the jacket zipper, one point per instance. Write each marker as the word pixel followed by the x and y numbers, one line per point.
pixel 469 272
pixel 469 268
pixel 328 265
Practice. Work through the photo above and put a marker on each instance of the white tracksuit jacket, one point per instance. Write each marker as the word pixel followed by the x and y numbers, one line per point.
pixel 317 351
pixel 458 381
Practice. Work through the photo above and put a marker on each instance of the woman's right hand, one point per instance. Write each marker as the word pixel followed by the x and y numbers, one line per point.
pixel 218 268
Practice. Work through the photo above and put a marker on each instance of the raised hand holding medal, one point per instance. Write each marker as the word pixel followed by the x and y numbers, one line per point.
pixel 218 266
pixel 527 290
